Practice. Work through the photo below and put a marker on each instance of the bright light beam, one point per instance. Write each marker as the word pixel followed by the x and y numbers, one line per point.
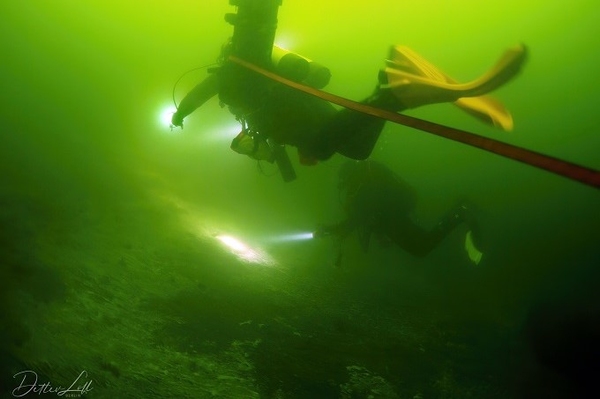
pixel 220 133
pixel 292 237
pixel 244 252
pixel 233 243
pixel 165 115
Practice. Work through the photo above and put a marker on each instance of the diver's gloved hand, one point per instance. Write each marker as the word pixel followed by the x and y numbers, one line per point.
pixel 177 119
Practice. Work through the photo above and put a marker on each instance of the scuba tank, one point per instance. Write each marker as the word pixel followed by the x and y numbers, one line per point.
pixel 254 27
pixel 255 24
pixel 299 69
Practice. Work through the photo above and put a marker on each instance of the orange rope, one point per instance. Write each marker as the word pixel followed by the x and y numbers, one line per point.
pixel 560 167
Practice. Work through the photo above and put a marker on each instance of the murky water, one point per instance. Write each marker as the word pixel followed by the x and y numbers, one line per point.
pixel 112 265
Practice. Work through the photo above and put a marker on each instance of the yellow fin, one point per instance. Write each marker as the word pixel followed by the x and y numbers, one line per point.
pixel 415 81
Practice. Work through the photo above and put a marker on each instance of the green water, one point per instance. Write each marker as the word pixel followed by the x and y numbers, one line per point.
pixel 109 261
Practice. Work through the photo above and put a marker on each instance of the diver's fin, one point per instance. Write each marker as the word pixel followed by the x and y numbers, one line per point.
pixel 473 252
pixel 415 82
pixel 487 109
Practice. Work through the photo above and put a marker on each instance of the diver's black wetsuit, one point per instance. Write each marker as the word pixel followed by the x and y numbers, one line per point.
pixel 291 117
pixel 314 126
pixel 270 110
pixel 379 202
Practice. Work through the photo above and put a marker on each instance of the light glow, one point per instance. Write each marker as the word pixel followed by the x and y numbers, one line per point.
pixel 220 133
pixel 233 243
pixel 284 41
pixel 166 114
pixel 244 252
pixel 196 222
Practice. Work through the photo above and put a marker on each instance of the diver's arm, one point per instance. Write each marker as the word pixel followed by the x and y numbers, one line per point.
pixel 200 94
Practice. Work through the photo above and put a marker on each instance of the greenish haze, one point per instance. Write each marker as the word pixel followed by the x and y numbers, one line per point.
pixel 109 262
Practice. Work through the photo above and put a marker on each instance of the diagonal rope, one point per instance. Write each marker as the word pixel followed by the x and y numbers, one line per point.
pixel 551 164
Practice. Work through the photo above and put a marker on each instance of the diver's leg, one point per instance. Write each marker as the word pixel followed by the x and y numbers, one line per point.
pixel 416 240
pixel 420 242
pixel 354 134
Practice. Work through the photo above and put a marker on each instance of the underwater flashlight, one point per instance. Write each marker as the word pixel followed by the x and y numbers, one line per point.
pixel 166 114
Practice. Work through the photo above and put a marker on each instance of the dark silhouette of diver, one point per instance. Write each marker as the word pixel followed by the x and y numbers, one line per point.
pixel 378 202
pixel 272 113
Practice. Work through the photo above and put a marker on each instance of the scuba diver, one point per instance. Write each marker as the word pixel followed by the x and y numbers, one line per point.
pixel 378 202
pixel 273 115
